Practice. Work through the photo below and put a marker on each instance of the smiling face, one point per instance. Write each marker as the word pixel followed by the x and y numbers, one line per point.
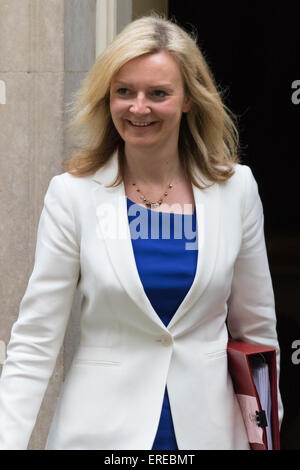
pixel 147 100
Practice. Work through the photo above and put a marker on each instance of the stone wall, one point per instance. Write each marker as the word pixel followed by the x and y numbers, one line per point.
pixel 46 49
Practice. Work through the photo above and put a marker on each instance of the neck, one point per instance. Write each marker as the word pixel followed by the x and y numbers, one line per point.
pixel 152 169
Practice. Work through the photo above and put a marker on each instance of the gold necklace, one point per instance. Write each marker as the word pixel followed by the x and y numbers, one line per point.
pixel 147 202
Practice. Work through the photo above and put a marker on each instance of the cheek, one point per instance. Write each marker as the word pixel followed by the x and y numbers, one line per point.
pixel 170 110
pixel 117 108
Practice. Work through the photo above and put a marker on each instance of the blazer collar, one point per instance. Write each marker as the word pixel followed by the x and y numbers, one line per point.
pixel 108 172
pixel 113 229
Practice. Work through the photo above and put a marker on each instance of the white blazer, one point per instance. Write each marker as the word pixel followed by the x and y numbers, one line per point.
pixel 112 395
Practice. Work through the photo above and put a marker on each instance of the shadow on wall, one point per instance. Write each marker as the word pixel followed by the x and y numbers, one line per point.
pixel 289 382
pixel 285 271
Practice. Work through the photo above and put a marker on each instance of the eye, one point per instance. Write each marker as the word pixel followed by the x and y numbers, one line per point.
pixel 160 93
pixel 122 91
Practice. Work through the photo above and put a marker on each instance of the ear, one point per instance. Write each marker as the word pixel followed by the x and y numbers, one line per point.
pixel 187 104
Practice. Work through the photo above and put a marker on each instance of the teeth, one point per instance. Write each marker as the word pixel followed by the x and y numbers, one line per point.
pixel 141 124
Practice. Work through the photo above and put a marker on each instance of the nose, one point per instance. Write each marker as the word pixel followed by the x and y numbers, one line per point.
pixel 140 106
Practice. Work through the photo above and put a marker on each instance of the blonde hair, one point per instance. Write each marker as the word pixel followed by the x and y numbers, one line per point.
pixel 208 136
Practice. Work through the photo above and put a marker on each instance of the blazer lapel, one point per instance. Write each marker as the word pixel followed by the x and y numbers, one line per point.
pixel 208 221
pixel 113 229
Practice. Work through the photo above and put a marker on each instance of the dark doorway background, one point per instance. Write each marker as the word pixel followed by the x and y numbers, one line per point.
pixel 252 49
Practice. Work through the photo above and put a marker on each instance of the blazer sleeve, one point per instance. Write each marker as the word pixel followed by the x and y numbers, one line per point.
pixel 38 333
pixel 251 305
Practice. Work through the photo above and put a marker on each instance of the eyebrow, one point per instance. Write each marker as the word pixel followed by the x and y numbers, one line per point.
pixel 159 85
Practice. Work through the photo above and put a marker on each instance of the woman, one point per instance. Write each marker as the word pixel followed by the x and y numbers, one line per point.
pixel 158 153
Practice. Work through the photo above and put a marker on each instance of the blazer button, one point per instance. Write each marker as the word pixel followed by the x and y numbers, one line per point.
pixel 165 340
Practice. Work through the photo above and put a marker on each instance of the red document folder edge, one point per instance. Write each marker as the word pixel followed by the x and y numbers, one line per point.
pixel 243 382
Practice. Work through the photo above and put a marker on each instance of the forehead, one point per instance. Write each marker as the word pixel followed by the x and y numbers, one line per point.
pixel 158 66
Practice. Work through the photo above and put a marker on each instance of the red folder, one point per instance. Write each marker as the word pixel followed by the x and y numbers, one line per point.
pixel 239 363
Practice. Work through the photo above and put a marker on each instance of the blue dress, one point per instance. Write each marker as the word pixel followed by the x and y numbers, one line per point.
pixel 165 250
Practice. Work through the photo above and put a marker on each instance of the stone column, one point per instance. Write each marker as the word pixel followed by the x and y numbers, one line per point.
pixel 46 48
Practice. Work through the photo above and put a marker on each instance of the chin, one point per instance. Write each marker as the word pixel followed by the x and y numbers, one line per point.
pixel 141 142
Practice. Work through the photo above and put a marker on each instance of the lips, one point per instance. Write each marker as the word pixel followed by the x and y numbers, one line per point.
pixel 140 124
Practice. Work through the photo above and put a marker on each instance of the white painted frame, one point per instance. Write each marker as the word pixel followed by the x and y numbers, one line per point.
pixel 111 17
pixel 2 92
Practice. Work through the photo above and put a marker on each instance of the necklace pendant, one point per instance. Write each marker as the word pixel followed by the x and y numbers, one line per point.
pixel 146 201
